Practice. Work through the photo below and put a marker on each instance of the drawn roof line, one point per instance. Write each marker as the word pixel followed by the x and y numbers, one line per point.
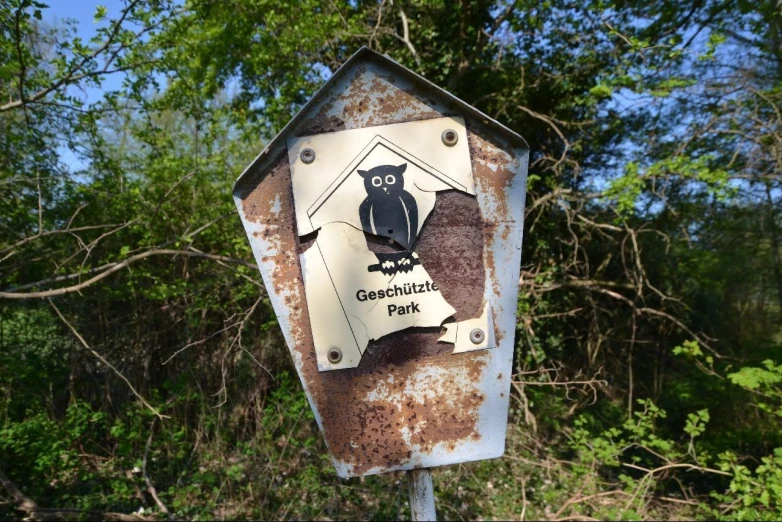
pixel 376 141
pixel 277 144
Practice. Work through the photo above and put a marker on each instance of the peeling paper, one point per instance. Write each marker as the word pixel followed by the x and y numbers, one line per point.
pixel 381 181
pixel 337 278
pixel 330 326
pixel 459 333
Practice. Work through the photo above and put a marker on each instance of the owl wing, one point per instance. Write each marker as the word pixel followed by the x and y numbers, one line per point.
pixel 411 208
pixel 364 211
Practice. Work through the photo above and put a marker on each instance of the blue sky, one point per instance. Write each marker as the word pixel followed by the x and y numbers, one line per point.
pixel 83 12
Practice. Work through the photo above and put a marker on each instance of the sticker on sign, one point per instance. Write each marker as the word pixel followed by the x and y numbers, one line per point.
pixel 377 182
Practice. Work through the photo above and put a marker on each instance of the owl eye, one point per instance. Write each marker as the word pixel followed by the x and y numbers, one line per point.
pixel 376 181
pixel 390 179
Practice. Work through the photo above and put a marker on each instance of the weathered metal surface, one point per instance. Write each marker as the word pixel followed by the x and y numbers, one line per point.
pixel 410 403
pixel 419 484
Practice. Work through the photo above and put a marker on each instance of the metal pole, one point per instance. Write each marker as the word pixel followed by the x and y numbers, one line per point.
pixel 419 483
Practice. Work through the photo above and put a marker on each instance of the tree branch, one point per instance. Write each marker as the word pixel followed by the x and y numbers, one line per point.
pixel 406 36
pixel 107 271
pixel 106 362
pixel 72 75
pixel 150 486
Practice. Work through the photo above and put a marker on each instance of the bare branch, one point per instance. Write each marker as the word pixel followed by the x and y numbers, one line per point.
pixel 406 36
pixel 107 270
pixel 39 235
pixel 150 486
pixel 104 361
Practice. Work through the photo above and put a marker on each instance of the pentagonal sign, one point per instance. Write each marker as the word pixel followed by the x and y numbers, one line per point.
pixel 386 220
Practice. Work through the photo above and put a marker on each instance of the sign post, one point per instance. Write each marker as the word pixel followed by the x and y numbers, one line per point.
pixel 386 219
pixel 419 482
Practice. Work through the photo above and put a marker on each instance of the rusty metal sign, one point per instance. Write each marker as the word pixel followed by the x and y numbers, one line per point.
pixel 386 219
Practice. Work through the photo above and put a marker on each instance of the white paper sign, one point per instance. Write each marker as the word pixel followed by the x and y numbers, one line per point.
pixel 380 181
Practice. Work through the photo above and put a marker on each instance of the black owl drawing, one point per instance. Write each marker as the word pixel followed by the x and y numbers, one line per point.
pixel 389 210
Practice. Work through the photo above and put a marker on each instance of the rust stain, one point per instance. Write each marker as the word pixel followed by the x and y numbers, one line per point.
pixel 375 415
pixel 367 101
pixel 270 205
pixel 321 124
pixel 491 169
pixel 498 332
pixel 451 249
pixel 493 173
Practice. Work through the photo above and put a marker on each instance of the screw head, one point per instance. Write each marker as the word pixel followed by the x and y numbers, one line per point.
pixel 334 355
pixel 477 336
pixel 307 156
pixel 449 137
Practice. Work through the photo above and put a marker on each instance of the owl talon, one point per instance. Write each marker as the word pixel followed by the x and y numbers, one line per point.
pixel 394 262
pixel 405 264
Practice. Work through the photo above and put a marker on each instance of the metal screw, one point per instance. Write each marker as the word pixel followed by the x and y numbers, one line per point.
pixel 449 137
pixel 307 156
pixel 335 355
pixel 477 336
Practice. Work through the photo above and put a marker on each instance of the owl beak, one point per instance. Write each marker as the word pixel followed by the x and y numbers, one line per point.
pixel 385 189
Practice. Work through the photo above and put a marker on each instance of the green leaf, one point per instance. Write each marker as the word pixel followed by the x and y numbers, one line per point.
pixel 601 91
pixel 100 13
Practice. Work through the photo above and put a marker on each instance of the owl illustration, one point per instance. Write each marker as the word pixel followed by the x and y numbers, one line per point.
pixel 389 210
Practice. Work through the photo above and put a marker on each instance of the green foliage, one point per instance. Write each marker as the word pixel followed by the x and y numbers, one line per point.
pixel 759 378
pixel 767 382
pixel 715 40
pixel 753 493
pixel 667 86
pixel 601 91
pixel 756 495
pixel 625 191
